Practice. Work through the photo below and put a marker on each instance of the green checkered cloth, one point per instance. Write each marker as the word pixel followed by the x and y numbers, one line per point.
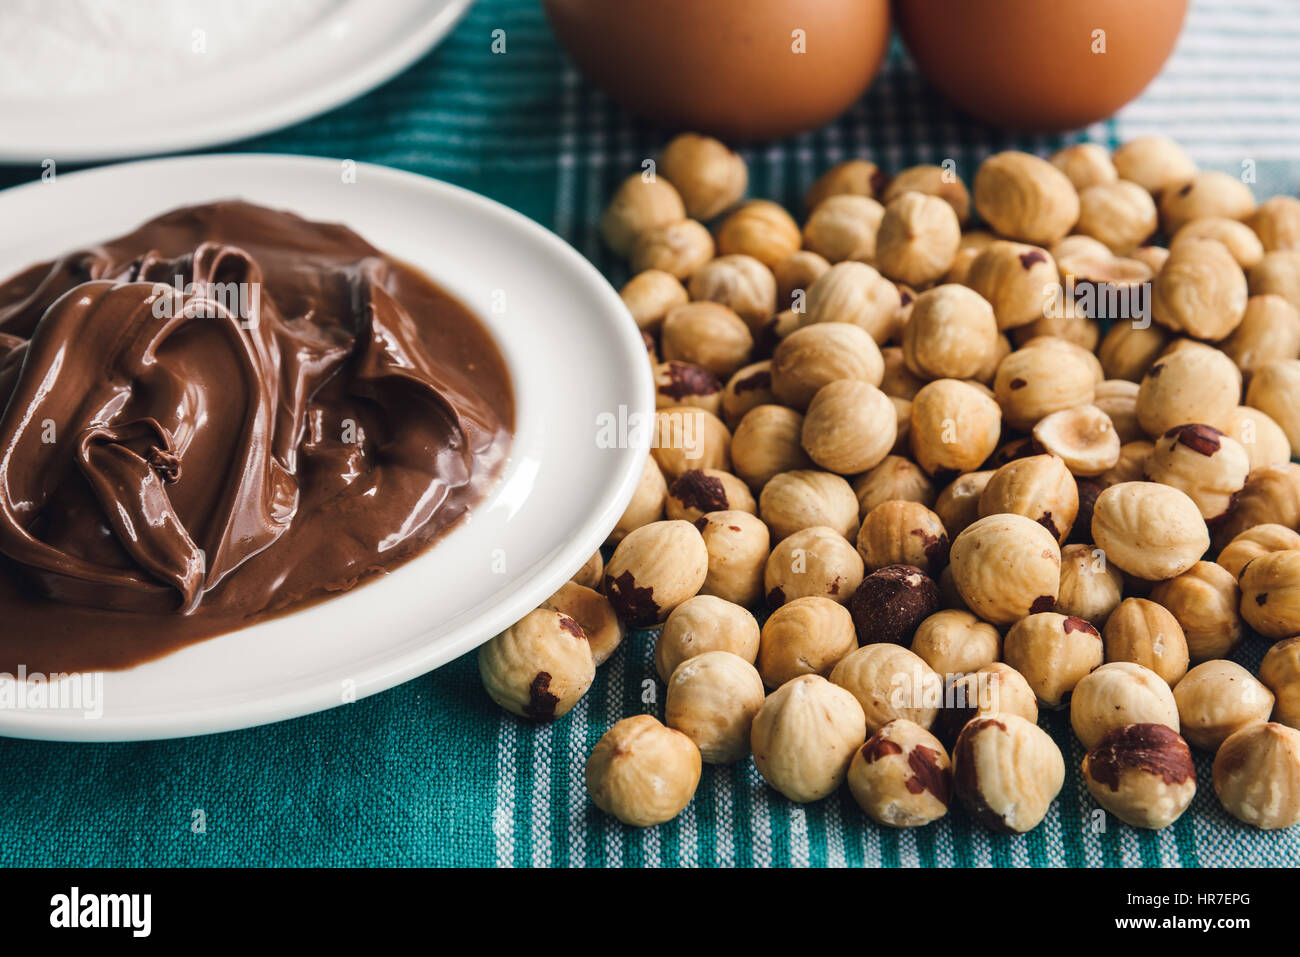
pixel 431 773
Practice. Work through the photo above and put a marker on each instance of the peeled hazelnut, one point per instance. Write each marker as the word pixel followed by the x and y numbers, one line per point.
pixel 1006 772
pixel 1091 588
pixel 1275 391
pixel 994 689
pixel 705 623
pixel 895 478
pixel 709 335
pixel 1121 214
pixel 1118 399
pixel 857 177
pixel 1147 634
pixel 903 533
pixel 933 181
pixel 1039 487
pixel 1084 165
pixel 687 437
pixel 954 426
pixel 805 498
pixel 592 573
pixel 1280 673
pixel 1217 698
pixel 1278 272
pixel 843 228
pixel 593 613
pixel 1149 530
pixel 1207 193
pixel 748 388
pixel 794 277
pixel 767 442
pixel 761 229
pixel 1131 467
pixel 1269 330
pixel 1153 257
pixel 958 503
pixel 1153 162
pixel 951 334
pixel 1202 462
pixel 1270 594
pixel 1141 773
pixel 807 636
pixel 712 699
pixel 1037 380
pixel 854 292
pixel 698 491
pixel 738 548
pixel 1254 542
pixel 1083 437
pixel 647 504
pixel 890 682
pixel 849 427
pixel 1195 383
pixel 889 604
pixel 638 206
pixel 1271 495
pixel 684 383
pixel 678 248
pixel 813 356
pixel 710 177
pixel 804 737
pixel 1205 601
pixel 955 642
pixel 539 667
pixel 1024 197
pixel 1054 652
pixel 1277 223
pixel 741 283
pixel 1236 237
pixel 643 773
pixel 1128 350
pixel 650 295
pixel 902 776
pixel 1118 694
pixel 654 569
pixel 1014 278
pixel 1006 567
pixel 917 239
pixel 1201 291
pixel 813 561
pixel 1257 775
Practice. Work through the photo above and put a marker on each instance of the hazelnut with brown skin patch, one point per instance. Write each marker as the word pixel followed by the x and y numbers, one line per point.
pixel 643 773
pixel 1206 193
pixel 1205 601
pixel 1006 567
pixel 1280 673
pixel 902 777
pixel 738 547
pixel 891 602
pixel 805 498
pixel 1256 541
pixel 813 356
pixel 1141 773
pixel 1118 694
pixel 638 206
pixel 1270 594
pixel 697 492
pixel 1147 633
pixel 1217 698
pixel 539 667
pixel 1131 467
pixel 746 389
pixel 1257 775
pixel 650 295
pixel 855 177
pixel 1091 588
pixel 1196 383
pixel 804 737
pixel 1054 652
pixel 762 229
pixel 1203 462
pixel 890 682
pixel 807 636
pixel 994 689
pixel 1270 495
pixel 712 699
pixel 710 177
pixel 1039 487
pixel 766 443
pixel 654 569
pixel 1012 277
pixel 1006 772
pixel 955 642
pixel 1042 378
pixel 593 613
pixel 903 533
pixel 683 383
pixel 813 561
pixel 705 623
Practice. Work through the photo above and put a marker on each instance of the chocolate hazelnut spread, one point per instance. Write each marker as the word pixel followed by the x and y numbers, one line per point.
pixel 227 413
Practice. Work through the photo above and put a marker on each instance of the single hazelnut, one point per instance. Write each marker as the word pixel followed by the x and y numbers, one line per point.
pixel 931 180
pixel 712 699
pixel 1257 775
pixel 1006 772
pixel 688 437
pixel 855 292
pixel 816 355
pixel 1024 197
pixel 804 498
pixel 1116 695
pixel 804 737
pixel 1014 278
pixel 954 426
pixel 1146 633
pixel 647 503
pixel 849 427
pixel 1252 543
pixel 890 682
pixel 639 205
pixel 958 503
pixel 1131 467
pixel 710 177
pixel 738 547
pixel 843 228
pixel 889 604
pixel 1120 214
pixel 1006 567
pixel 994 689
pixel 1083 437
pixel 1141 773
pixel 1153 257
pixel 678 248
pixel 1042 378
pixel 684 383
pixel 812 561
pixel 902 776
pixel 1039 487
pixel 1206 193
pixel 1084 165
pixel 1205 601
pixel 1195 383
pixel 1270 594
pixel 951 334
pixel 895 478
pixel 705 623
pixel 709 335
pixel 539 667
pixel 1091 588
pixel 1236 237
pixel 1217 698
pixel 899 532
pixel 794 277
pixel 1129 349
pixel 1280 673
pixel 654 569
pixel 1054 652
pixel 761 229
pixel 766 443
pixel 857 177
pixel 1278 272
pixel 697 492
pixel 1277 223
pixel 1271 495
pixel 1262 438
pixel 740 283
pixel 1153 162
pixel 1202 462
pixel 643 773
pixel 917 239
pixel 1149 530
pixel 650 295
pixel 592 572
pixel 1275 391
pixel 1269 330
pixel 749 387
pixel 1201 291
pixel 593 613
pixel 955 642
pixel 807 636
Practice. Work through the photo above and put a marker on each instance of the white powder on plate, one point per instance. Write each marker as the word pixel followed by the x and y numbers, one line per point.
pixel 77 48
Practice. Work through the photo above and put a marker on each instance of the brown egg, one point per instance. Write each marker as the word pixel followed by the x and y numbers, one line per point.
pixel 738 69
pixel 1030 65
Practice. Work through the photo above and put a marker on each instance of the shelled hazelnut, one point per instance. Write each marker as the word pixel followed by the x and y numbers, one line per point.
pixel 1280 673
pixel 804 636
pixel 917 239
pixel 1206 193
pixel 539 667
pixel 710 177
pixel 951 334
pixel 1256 541
pixel 639 205
pixel 849 427
pixel 1217 698
pixel 1039 379
pixel 795 275
pixel 1153 162
pixel 707 334
pixel 1196 383
pixel 1054 652
pixel 646 504
pixel 902 777
pixel 1013 277
pixel 1257 775
pixel 903 533
pixel 958 503
pixel 955 642
pixel 1270 594
pixel 593 613
pixel 804 498
pixel 1006 567
pixel 650 295
pixel 890 682
pixel 705 623
pixel 937 181
pixel 738 545
pixel 739 282
pixel 954 426
pixel 1024 197
pixel 1128 350
pixel 684 383
pixel 766 443
pixel 1271 495
pixel 1120 214
pixel 643 773
pixel 1201 461
pixel 1117 398
pixel 762 229
pixel 1091 588
pixel 592 572
pixel 804 737
pixel 1238 238
pixel 654 569
pixel 1146 633
pixel 1006 772
pixel 678 248
pixel 698 491
pixel 1118 694
pixel 1204 599
pixel 1084 165
pixel 1149 530
pixel 1201 291
pixel 712 699
pixel 1278 272
pixel 895 478
pixel 855 292
pixel 1141 773
pixel 687 437
pixel 1275 390
pixel 843 228
pixel 1269 330
pixel 856 177
pixel 748 388
pixel 816 355
pixel 812 561
pixel 994 689
pixel 1083 438
pixel 1038 487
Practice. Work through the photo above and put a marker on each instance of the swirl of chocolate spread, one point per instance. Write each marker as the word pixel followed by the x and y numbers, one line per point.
pixel 229 412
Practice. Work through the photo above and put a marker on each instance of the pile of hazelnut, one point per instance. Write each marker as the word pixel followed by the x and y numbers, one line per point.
pixel 972 473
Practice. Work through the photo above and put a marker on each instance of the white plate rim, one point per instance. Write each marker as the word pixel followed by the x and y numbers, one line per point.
pixel 60 726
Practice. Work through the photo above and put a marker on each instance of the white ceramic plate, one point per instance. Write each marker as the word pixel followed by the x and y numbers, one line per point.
pixel 354 47
pixel 574 355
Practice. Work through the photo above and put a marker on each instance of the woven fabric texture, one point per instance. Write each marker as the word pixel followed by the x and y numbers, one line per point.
pixel 431 773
